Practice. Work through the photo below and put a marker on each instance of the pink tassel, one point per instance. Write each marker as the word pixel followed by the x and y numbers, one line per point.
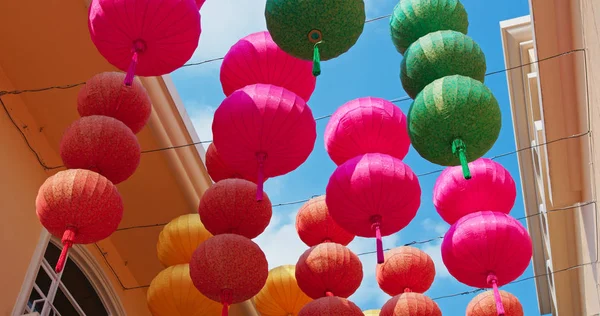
pixel 226 297
pixel 493 281
pixel 260 157
pixel 376 223
pixel 131 70
pixel 67 241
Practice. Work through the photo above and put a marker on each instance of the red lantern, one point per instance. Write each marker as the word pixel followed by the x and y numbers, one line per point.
pixel 229 269
pixel 264 130
pixel 328 269
pixel 229 207
pixel 406 269
pixel 314 224
pixel 104 94
pixel 484 304
pixel 218 170
pixel 102 144
pixel 373 195
pixel 79 206
pixel 145 37
pixel 410 304
pixel 330 306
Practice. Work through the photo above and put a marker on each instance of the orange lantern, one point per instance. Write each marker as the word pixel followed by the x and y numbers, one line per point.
pixel 410 304
pixel 331 306
pixel 406 269
pixel 314 224
pixel 484 304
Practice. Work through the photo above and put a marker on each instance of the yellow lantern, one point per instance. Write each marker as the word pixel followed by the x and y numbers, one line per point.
pixel 172 293
pixel 372 312
pixel 281 295
pixel 179 239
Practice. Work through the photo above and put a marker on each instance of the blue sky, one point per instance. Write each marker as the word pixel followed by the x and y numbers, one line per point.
pixel 370 68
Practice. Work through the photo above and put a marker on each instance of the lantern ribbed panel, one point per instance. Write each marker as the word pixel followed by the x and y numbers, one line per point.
pixel 410 304
pixel 412 19
pixel 105 94
pixel 372 312
pixel 491 188
pixel 484 304
pixel 172 293
pixel 366 125
pixel 486 242
pixel 330 306
pixel 229 262
pixel 405 268
pixel 281 295
pixel 314 224
pixel 340 23
pixel 329 267
pixel 179 239
pixel 229 207
pixel 257 59
pixel 449 108
pixel 102 144
pixel 440 54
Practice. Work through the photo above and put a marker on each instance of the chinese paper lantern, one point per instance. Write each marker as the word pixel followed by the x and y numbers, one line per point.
pixel 373 195
pixel 366 125
pixel 484 304
pixel 218 170
pixel 179 239
pixel 264 130
pixel 440 54
pixel 491 188
pixel 372 312
pixel 453 121
pixel 257 59
pixel 329 306
pixel 80 207
pixel 172 293
pixel 314 224
pixel 412 19
pixel 104 94
pixel 146 37
pixel 487 250
pixel 406 269
pixel 229 269
pixel 313 30
pixel 229 207
pixel 101 144
pixel 200 3
pixel 410 304
pixel 329 268
pixel 281 295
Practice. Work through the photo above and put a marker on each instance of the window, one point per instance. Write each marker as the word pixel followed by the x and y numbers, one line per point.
pixel 69 293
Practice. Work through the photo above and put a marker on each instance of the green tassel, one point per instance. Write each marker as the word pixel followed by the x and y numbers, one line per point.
pixel 460 149
pixel 316 60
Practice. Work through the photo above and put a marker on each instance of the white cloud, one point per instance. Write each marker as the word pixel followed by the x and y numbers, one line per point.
pixel 202 118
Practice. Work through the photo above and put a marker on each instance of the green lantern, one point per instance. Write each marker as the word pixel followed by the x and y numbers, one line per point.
pixel 315 29
pixel 440 54
pixel 453 121
pixel 412 19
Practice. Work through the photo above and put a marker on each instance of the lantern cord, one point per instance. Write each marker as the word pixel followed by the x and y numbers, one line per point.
pixel 226 299
pixel 260 179
pixel 493 281
pixel 316 60
pixel 460 149
pixel 329 294
pixel 67 240
pixel 131 70
pixel 376 225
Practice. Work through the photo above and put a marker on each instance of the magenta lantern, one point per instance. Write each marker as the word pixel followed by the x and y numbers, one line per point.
pixel 263 130
pixel 366 125
pixel 145 37
pixel 200 3
pixel 491 188
pixel 257 59
pixel 373 195
pixel 487 250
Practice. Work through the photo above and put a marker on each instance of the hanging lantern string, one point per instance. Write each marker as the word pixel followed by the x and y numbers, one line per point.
pixel 575 206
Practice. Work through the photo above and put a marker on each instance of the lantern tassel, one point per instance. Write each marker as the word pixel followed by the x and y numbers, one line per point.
pixel 67 240
pixel 493 281
pixel 316 60
pixel 460 149
pixel 328 293
pixel 376 225
pixel 260 179
pixel 226 298
pixel 131 70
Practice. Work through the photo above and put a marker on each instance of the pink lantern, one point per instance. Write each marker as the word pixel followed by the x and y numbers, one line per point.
pixel 145 37
pixel 487 250
pixel 257 59
pixel 366 125
pixel 200 3
pixel 218 170
pixel 263 130
pixel 373 195
pixel 491 188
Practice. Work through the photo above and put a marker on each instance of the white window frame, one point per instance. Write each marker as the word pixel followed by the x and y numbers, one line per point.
pixel 85 262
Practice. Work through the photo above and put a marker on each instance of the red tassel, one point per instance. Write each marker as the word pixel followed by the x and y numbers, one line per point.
pixel 493 281
pixel 328 293
pixel 260 157
pixel 376 223
pixel 67 241
pixel 226 297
